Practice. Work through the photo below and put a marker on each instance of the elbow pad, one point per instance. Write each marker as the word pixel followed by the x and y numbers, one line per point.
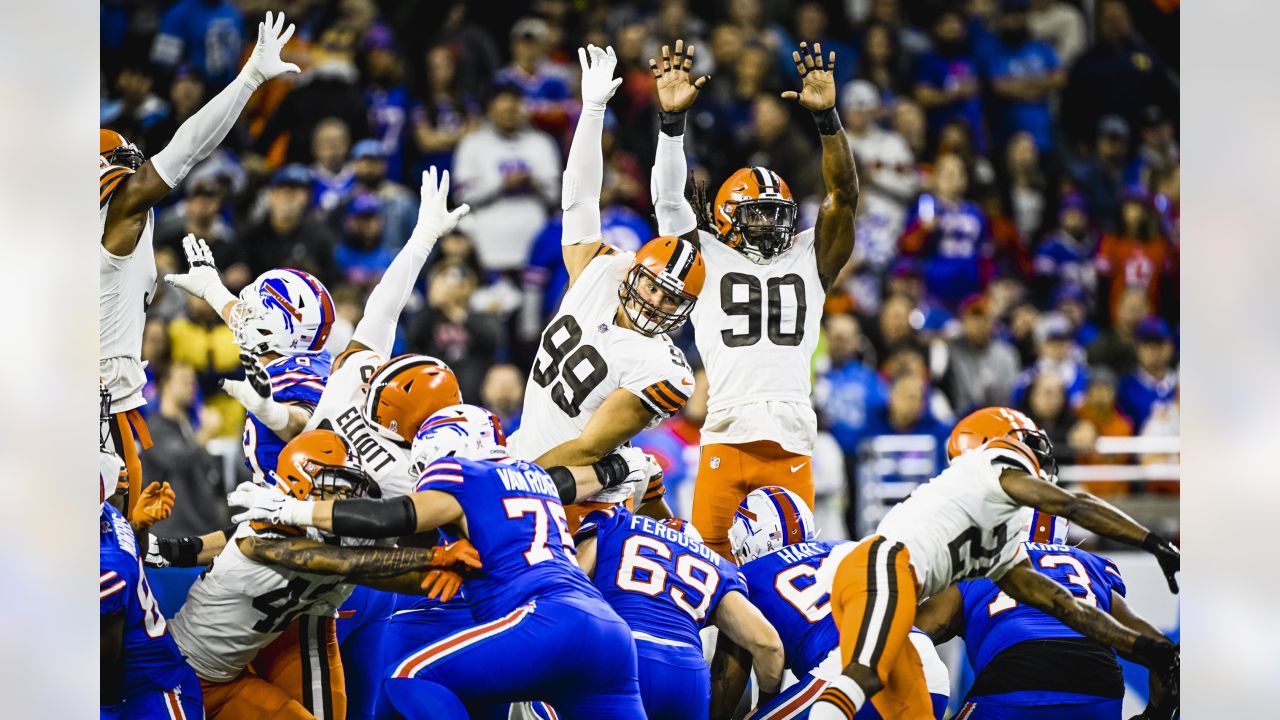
pixel 375 518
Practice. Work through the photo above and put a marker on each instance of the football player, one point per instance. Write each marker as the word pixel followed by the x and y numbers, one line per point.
pixel 143 675
pixel 606 368
pixel 773 541
pixel 667 585
pixel 129 186
pixel 968 523
pixel 260 637
pixel 1029 665
pixel 757 330
pixel 530 590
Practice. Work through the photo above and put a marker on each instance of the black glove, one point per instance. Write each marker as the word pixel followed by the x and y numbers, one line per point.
pixel 1161 657
pixel 1167 555
pixel 255 374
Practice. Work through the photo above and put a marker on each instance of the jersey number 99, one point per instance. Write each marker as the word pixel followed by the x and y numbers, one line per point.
pixel 562 359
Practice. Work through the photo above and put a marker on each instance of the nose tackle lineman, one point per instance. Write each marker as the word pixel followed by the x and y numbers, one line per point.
pixel 129 186
pixel 767 282
pixel 606 369
pixel 529 590
pixel 968 523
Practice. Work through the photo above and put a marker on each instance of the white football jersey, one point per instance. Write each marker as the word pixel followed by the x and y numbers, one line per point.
pixel 238 606
pixel 757 327
pixel 584 357
pixel 125 288
pixel 339 410
pixel 961 524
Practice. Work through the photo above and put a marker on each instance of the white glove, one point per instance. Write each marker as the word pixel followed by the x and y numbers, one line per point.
pixel 201 279
pixel 265 62
pixel 598 83
pixel 153 558
pixel 254 393
pixel 637 473
pixel 434 217
pixel 269 504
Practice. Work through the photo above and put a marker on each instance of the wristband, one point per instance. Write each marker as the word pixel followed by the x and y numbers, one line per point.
pixel 1152 543
pixel 828 121
pixel 611 471
pixel 671 123
pixel 180 552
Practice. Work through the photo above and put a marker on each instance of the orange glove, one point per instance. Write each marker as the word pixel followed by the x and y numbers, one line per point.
pixel 457 553
pixel 442 585
pixel 154 504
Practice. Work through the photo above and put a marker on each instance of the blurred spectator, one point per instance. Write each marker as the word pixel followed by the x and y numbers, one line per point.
pixel 1099 411
pixel 1115 346
pixel 750 16
pixel 889 13
pixel 1046 405
pixel 675 21
pixel 361 257
pixel 137 110
pixel 1168 202
pixel 447 327
pixel 205 33
pixel 178 457
pixel 1023 321
pixel 1101 175
pixel 330 177
pixel 445 112
pixel 386 97
pixel 203 341
pixel 1155 380
pixel 979 367
pixel 200 213
pixel 186 96
pixel 812 25
pixel 510 175
pixel 909 122
pixel 544 85
pixel 906 278
pixel 1026 191
pixel 907 413
pixel 1137 256
pixel 1072 303
pixel 155 356
pixel 502 392
pixel 289 236
pixel 1060 24
pixel 1055 354
pixel 399 205
pixel 1164 418
pixel 1066 254
pixel 898 324
pixel 848 392
pixel 946 79
pixel 674 444
pixel 1025 75
pixel 956 138
pixel 471 46
pixel 951 235
pixel 1120 75
pixel 886 170
pixel 1158 148
pixel 881 63
pixel 327 89
pixel 775 144
pixel 733 103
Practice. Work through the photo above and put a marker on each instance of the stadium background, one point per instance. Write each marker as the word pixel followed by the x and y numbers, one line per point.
pixel 1080 332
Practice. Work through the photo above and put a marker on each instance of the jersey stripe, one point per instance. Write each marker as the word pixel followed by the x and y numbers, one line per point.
pixel 109 181
pixel 111 589
pixel 655 490
pixel 661 404
pixel 1009 444
pixel 800 701
pixel 605 249
pixel 413 664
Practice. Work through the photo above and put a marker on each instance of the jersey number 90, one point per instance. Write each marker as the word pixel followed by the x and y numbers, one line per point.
pixel 754 310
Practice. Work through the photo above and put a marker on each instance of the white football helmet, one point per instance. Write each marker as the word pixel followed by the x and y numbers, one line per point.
pixel 1047 529
pixel 109 467
pixel 767 519
pixel 464 431
pixel 684 527
pixel 284 310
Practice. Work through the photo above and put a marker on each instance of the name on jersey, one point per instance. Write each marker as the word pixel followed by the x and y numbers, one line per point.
pixel 1046 547
pixel 653 527
pixel 803 551
pixel 371 452
pixel 124 534
pixel 530 481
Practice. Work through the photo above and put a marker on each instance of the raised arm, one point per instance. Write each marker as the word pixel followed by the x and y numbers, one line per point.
pixel 1093 514
pixel 676 93
pixel 834 232
pixel 193 141
pixel 584 170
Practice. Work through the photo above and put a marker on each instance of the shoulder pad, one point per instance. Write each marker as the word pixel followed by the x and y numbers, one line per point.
pixel 1008 452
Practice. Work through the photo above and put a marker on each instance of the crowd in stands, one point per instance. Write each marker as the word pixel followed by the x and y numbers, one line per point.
pixel 1017 235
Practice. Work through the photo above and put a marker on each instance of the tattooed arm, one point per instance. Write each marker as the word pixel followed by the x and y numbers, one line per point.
pixel 362 563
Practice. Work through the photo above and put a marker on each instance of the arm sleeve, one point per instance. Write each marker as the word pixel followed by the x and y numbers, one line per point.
pixel 377 327
pixel 374 518
pixel 583 176
pixel 204 131
pixel 670 169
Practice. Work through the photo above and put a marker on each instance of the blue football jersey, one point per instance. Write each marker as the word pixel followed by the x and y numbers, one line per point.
pixel 517 524
pixel 151 659
pixel 994 621
pixel 660 581
pixel 294 379
pixel 784 589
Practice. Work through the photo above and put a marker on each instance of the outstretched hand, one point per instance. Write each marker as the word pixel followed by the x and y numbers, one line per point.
pixel 819 84
pixel 598 83
pixel 435 219
pixel 265 62
pixel 676 91
pixel 155 503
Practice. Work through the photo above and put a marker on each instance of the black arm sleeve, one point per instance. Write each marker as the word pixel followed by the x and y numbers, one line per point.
pixel 180 552
pixel 375 518
pixel 565 484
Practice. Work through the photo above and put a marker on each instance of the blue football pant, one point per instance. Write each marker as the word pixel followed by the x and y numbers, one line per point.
pixel 588 672
pixel 675 682
pixel 362 629
pixel 793 703
pixel 992 708
pixel 184 702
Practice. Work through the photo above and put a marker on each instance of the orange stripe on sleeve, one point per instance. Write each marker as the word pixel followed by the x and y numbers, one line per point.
pixel 660 400
pixel 1003 443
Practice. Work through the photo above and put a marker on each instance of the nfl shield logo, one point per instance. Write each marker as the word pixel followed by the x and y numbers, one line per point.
pixel 715 462
pixel 603 328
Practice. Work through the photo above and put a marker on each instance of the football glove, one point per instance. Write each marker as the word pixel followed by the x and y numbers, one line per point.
pixel 1167 554
pixel 637 464
pixel 598 83
pixel 265 62
pixel 269 505
pixel 155 503
pixel 461 553
pixel 435 220
pixel 442 584
pixel 201 278
pixel 254 393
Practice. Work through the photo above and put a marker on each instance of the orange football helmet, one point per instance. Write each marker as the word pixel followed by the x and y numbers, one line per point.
pixel 320 460
pixel 406 391
pixel 116 150
pixel 989 423
pixel 755 214
pixel 675 266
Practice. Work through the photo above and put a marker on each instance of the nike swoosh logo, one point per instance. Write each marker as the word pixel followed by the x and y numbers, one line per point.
pixel 685 382
pixel 794 468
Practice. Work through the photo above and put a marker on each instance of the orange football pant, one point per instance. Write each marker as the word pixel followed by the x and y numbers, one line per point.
pixel 873 602
pixel 298 676
pixel 726 473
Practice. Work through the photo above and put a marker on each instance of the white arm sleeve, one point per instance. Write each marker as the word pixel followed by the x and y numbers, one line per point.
pixel 204 131
pixel 675 214
pixel 583 176
pixel 377 328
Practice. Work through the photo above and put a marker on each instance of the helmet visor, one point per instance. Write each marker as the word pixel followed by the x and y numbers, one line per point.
pixel 767 226
pixel 345 482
